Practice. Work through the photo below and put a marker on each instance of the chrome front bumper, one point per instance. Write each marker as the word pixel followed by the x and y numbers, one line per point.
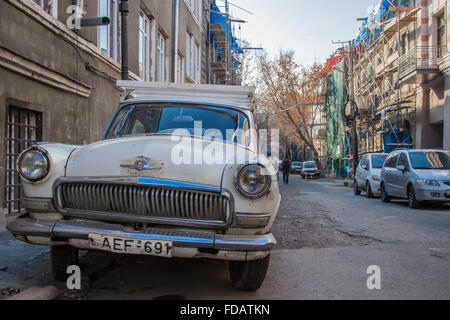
pixel 25 227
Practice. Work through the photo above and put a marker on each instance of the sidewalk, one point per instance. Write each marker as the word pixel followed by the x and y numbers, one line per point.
pixel 339 181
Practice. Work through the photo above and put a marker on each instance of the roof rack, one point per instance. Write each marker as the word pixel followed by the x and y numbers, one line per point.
pixel 236 96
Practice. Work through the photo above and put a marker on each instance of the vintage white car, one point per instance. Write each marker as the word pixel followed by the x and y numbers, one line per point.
pixel 177 174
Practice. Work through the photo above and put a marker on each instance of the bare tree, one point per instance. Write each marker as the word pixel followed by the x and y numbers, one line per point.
pixel 294 93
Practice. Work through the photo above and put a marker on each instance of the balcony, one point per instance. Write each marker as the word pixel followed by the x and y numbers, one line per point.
pixel 419 65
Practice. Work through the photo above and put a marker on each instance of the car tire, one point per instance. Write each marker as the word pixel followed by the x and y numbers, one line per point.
pixel 384 195
pixel 248 275
pixel 61 258
pixel 369 193
pixel 412 201
pixel 356 189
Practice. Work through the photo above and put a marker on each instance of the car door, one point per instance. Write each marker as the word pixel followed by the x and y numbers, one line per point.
pixel 365 171
pixel 397 175
pixel 389 173
pixel 402 177
pixel 360 172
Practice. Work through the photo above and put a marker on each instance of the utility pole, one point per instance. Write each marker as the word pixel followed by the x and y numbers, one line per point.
pixel 399 48
pixel 124 9
pixel 227 53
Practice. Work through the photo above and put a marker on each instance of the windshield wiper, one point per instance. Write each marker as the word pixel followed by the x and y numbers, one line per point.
pixel 123 122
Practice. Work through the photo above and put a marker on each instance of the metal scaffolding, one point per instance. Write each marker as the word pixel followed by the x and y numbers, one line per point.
pixel 378 68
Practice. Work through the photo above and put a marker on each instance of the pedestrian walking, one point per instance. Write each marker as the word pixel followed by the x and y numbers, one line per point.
pixel 286 166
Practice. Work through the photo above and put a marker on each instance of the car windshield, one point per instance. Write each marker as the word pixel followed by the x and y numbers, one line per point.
pixel 378 161
pixel 430 160
pixel 310 165
pixel 296 164
pixel 210 122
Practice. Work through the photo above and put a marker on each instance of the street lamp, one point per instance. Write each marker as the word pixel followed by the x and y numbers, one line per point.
pixel 94 22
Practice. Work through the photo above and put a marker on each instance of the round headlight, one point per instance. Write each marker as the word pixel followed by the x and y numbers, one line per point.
pixel 253 181
pixel 33 165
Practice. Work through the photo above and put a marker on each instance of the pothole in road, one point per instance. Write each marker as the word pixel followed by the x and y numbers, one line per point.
pixel 305 224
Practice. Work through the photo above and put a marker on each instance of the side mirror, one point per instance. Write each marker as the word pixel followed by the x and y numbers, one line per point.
pixel 401 168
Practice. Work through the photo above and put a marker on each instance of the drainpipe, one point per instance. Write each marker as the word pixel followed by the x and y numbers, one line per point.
pixel 124 9
pixel 176 17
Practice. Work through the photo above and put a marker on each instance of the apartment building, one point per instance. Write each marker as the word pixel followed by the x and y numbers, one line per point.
pixel 58 81
pixel 396 72
pixel 431 77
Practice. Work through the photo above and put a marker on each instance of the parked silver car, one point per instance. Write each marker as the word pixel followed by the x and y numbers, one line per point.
pixel 368 174
pixel 416 175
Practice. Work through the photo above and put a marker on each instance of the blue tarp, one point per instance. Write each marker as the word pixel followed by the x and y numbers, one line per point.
pixel 223 20
pixel 395 139
pixel 380 13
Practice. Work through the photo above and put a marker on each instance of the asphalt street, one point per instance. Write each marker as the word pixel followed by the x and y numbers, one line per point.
pixel 327 240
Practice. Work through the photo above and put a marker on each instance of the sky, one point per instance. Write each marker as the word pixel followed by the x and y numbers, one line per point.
pixel 306 26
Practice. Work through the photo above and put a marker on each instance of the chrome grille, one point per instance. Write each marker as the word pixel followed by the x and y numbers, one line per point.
pixel 142 201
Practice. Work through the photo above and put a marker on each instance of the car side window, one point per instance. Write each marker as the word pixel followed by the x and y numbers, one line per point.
pixel 363 162
pixel 366 163
pixel 403 161
pixel 387 162
pixel 391 162
pixel 394 161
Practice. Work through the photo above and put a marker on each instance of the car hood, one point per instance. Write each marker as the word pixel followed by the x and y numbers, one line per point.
pixel 160 156
pixel 435 174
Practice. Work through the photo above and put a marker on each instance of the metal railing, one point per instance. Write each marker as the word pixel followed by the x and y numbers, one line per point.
pixel 442 51
pixel 419 58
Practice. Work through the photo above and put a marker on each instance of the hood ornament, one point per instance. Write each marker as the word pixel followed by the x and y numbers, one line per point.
pixel 142 164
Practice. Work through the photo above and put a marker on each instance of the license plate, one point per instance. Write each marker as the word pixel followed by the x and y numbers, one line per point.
pixel 131 246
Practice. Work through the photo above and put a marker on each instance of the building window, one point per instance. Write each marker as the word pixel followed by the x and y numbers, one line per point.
pixel 442 35
pixel 193 59
pixel 144 47
pixel 196 8
pixel 107 38
pixel 189 56
pixel 24 129
pixel 161 58
pixel 180 69
pixel 49 6
pixel 404 43
pixel 197 63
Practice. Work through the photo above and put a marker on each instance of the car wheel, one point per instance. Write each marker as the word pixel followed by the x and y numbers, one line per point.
pixel 384 195
pixel 369 193
pixel 248 275
pixel 61 258
pixel 356 188
pixel 412 201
